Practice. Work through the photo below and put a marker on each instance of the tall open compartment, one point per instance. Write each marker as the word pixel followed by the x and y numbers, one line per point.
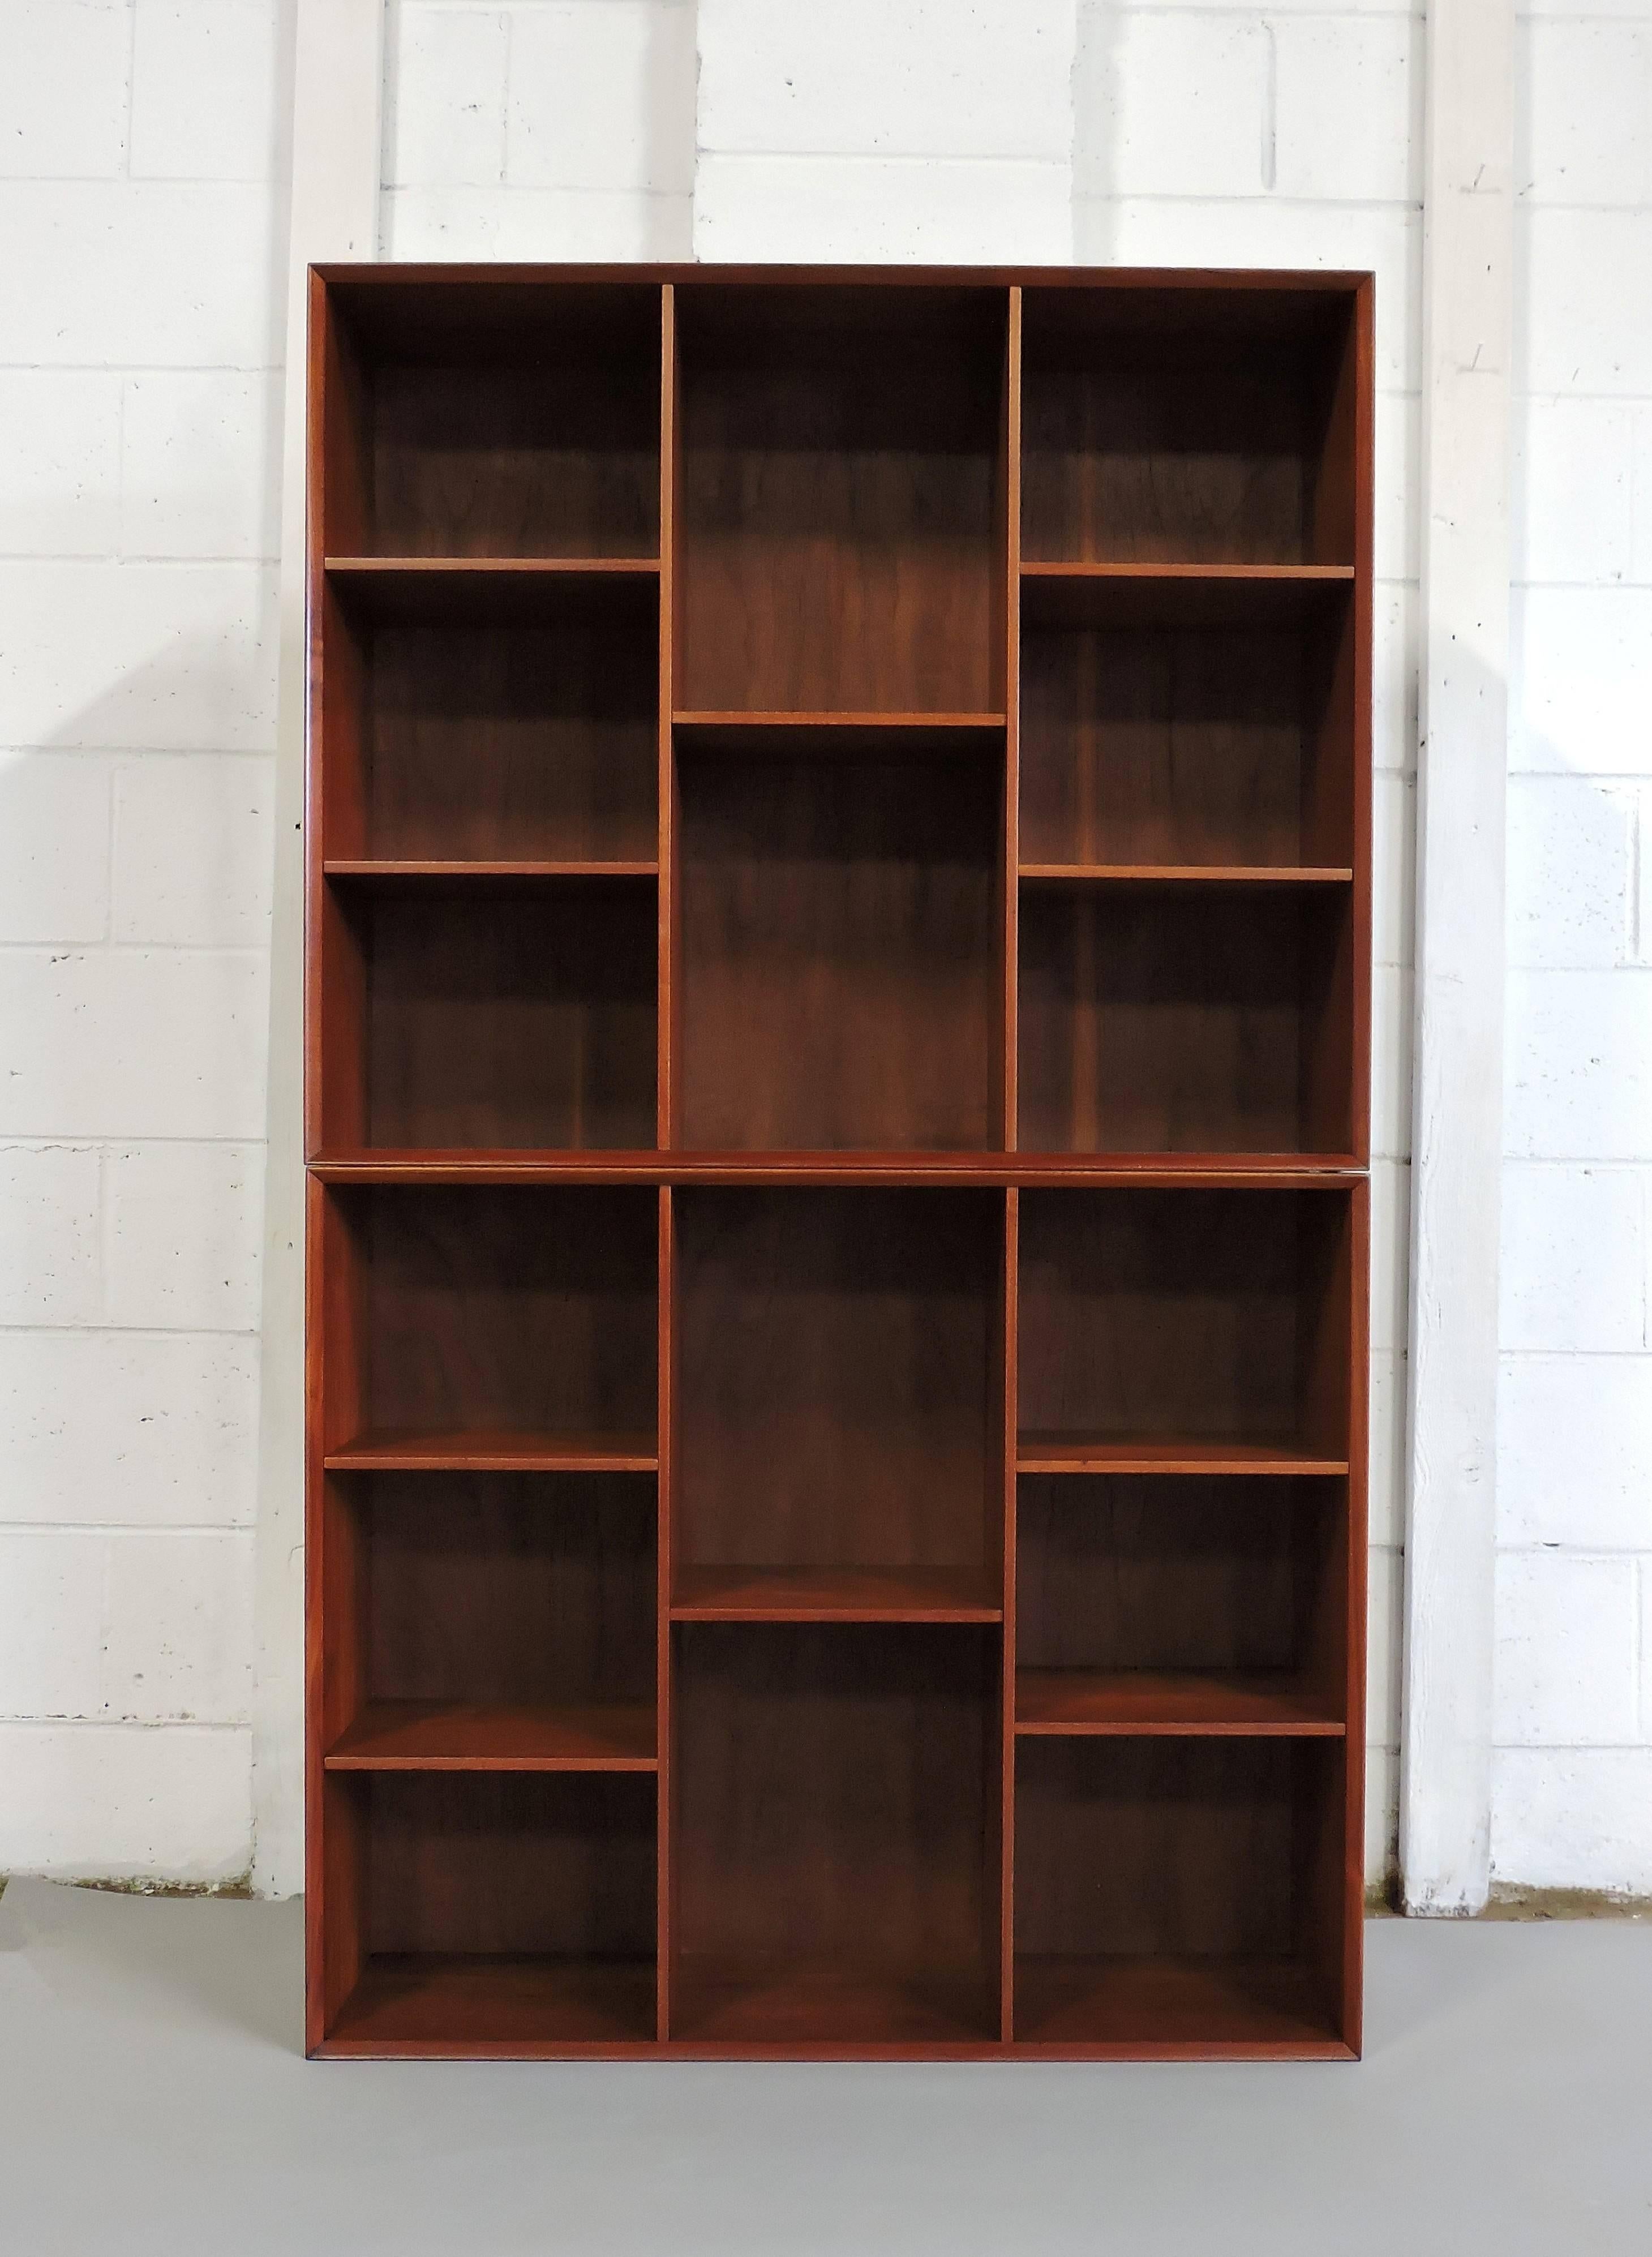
pixel 837 1008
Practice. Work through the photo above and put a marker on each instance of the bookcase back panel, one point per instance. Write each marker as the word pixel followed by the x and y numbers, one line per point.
pixel 517 1590
pixel 516 744
pixel 837 1872
pixel 839 499
pixel 838 945
pixel 836 1357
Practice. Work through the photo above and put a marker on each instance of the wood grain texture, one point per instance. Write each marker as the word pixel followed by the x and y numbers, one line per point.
pixel 838 948
pixel 837 503
pixel 843 1842
pixel 1158 1018
pixel 1177 1315
pixel 1201 433
pixel 482 1310
pixel 835 1360
pixel 518 1013
pixel 500 743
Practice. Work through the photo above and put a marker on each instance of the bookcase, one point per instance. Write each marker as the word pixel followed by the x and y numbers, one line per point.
pixel 838 977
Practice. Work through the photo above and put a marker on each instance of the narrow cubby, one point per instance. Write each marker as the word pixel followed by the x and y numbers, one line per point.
pixel 485 724
pixel 1173 1604
pixel 1164 1017
pixel 1180 1895
pixel 839 494
pixel 1215 426
pixel 491 1621
pixel 839 1355
pixel 483 417
pixel 839 940
pixel 490 1912
pixel 492 1012
pixel 1188 1329
pixel 836 1884
pixel 491 1330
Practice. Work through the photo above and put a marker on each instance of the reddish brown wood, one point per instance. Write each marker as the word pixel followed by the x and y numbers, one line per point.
pixel 837 1004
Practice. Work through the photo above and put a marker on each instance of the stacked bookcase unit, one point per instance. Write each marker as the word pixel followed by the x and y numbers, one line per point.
pixel 837 1092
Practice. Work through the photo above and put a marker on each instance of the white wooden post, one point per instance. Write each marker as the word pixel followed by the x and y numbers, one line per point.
pixel 337 95
pixel 1457 1143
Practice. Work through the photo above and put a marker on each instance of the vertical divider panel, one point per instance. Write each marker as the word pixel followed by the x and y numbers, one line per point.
pixel 1011 1419
pixel 669 1002
pixel 663 1727
pixel 1009 1009
pixel 1360 751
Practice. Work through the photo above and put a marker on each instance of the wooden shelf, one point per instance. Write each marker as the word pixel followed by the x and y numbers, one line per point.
pixel 389 872
pixel 1191 2009
pixel 760 2003
pixel 1139 1703
pixel 1183 874
pixel 441 1736
pixel 838 881
pixel 470 2006
pixel 818 1594
pixel 994 1169
pixel 1108 1453
pixel 467 1450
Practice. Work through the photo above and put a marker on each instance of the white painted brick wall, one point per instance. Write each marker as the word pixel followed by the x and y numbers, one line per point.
pixel 139 235
pixel 554 128
pixel 1572 1788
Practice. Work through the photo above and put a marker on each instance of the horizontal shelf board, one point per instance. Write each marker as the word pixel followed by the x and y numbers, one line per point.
pixel 1195 2007
pixel 470 2007
pixel 768 2002
pixel 391 872
pixel 1278 1170
pixel 1180 873
pixel 953 1595
pixel 484 1450
pixel 1140 1703
pixel 751 736
pixel 417 590
pixel 1109 1454
pixel 442 1735
pixel 1179 595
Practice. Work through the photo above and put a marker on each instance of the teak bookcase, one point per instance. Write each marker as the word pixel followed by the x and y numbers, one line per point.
pixel 837 1025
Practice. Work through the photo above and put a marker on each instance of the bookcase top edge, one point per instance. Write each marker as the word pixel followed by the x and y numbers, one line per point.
pixel 384 274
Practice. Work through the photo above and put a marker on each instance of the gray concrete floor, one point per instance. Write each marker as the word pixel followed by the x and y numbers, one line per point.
pixel 152 2099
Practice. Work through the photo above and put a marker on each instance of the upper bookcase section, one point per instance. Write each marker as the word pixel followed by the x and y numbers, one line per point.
pixel 1192 426
pixel 840 511
pixel 493 418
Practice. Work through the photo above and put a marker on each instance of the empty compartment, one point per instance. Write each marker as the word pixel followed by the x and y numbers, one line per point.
pixel 497 1912
pixel 839 1363
pixel 1178 1602
pixel 1192 1324
pixel 490 418
pixel 1189 425
pixel 1177 726
pixel 492 1012
pixel 1181 1893
pixel 840 543
pixel 491 1619
pixel 488 725
pixel 838 949
pixel 489 1328
pixel 835 1860
pixel 1177 1018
